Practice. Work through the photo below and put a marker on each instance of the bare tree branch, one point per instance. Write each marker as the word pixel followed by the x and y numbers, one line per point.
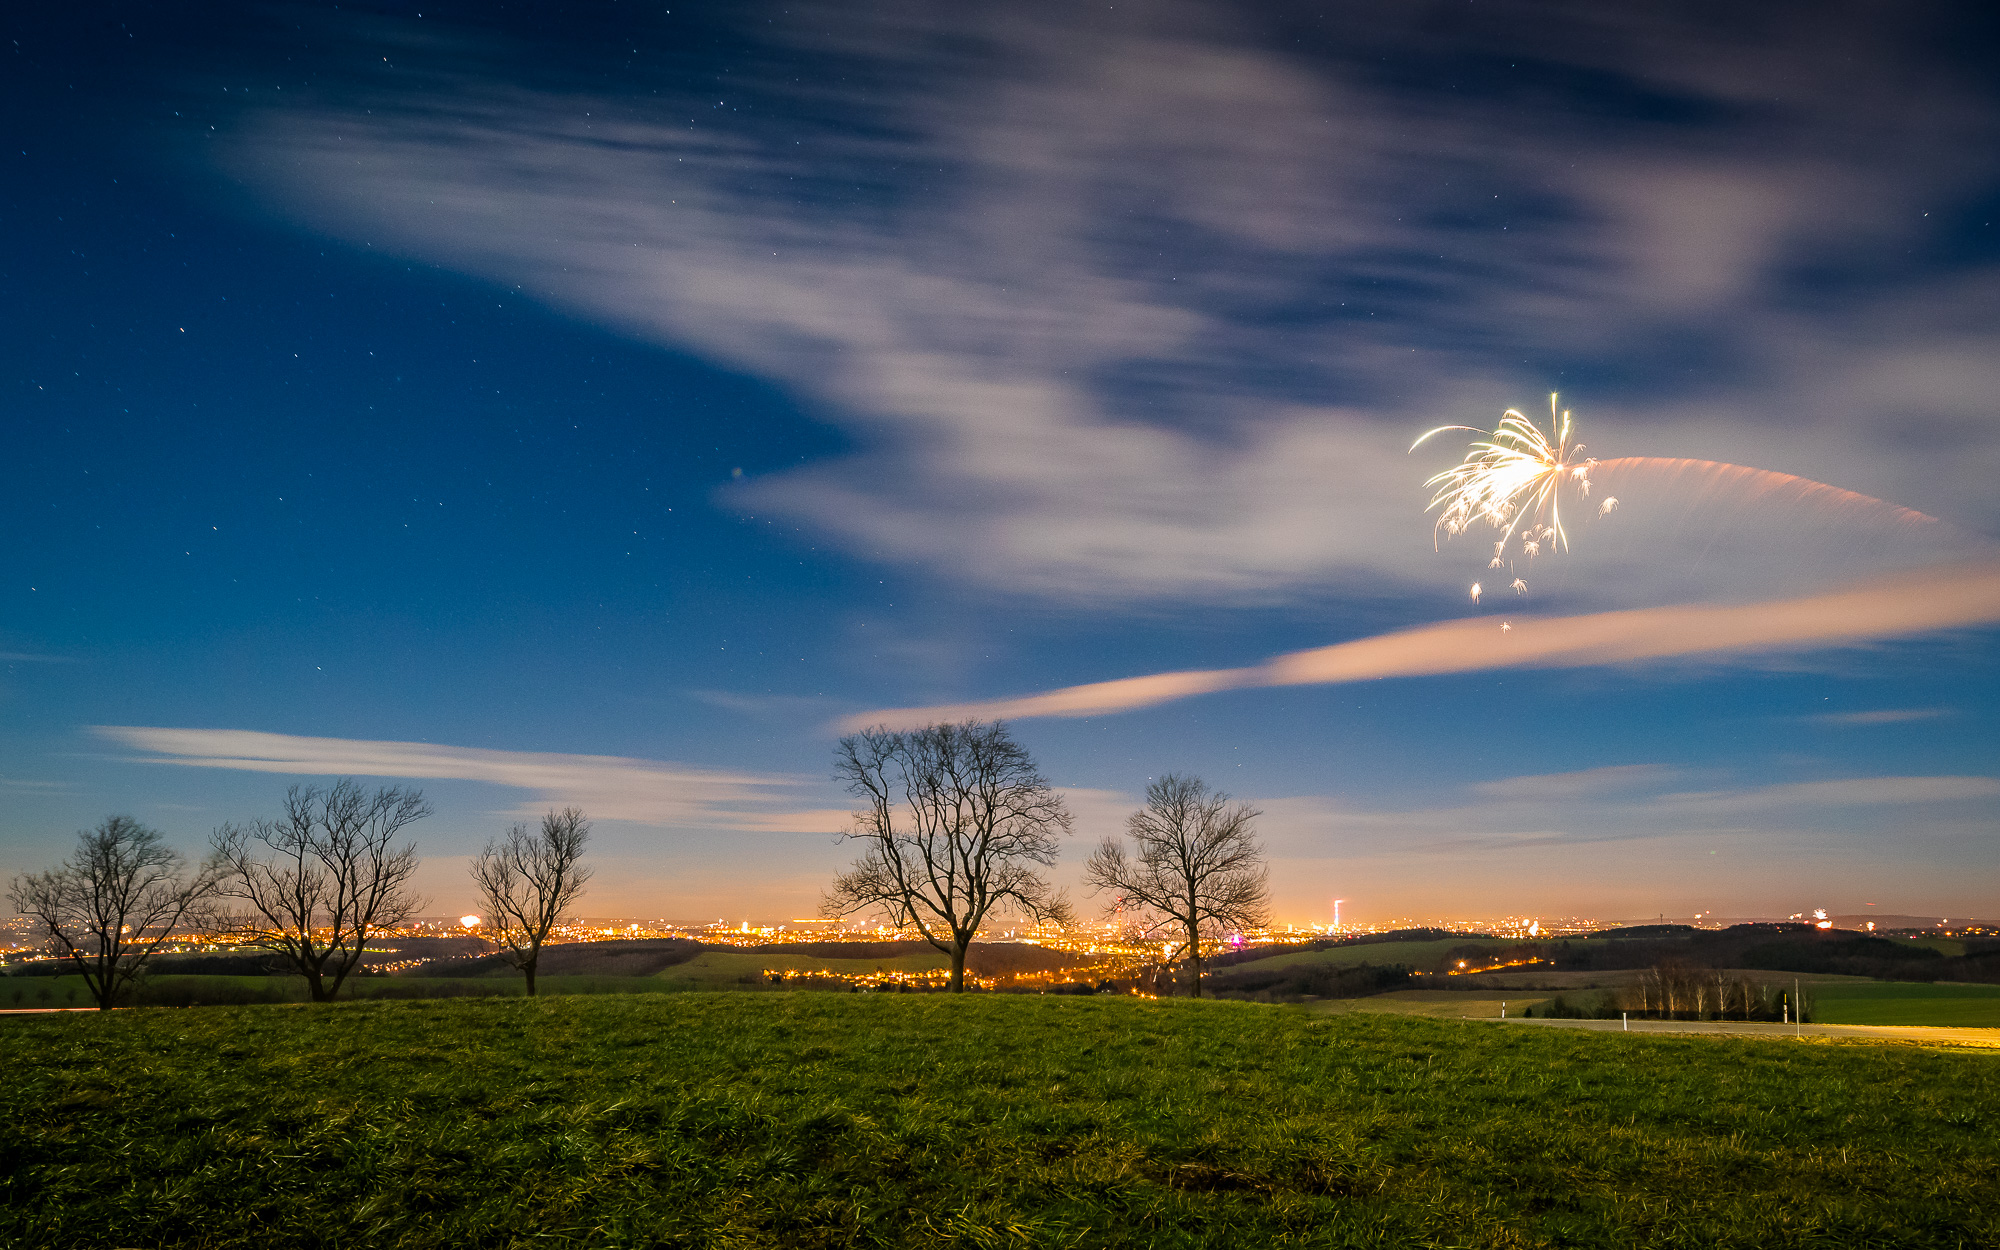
pixel 326 878
pixel 529 881
pixel 955 819
pixel 111 906
pixel 1196 869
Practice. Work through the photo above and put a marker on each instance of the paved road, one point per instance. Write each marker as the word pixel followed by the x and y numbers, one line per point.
pixel 1982 1038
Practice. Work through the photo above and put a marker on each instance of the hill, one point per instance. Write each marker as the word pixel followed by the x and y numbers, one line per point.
pixel 1792 948
pixel 699 962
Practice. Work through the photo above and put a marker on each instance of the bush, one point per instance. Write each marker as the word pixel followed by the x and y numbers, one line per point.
pixel 1599 1007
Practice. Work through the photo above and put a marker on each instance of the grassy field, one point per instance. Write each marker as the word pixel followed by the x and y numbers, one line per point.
pixel 712 969
pixel 221 990
pixel 1906 1002
pixel 815 1120
pixel 1849 1000
pixel 708 970
pixel 1413 954
pixel 1438 1004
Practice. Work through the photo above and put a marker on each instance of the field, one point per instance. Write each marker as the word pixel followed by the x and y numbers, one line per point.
pixel 1899 1002
pixel 810 1120
pixel 714 969
pixel 223 990
pixel 1438 1004
pixel 707 971
pixel 1413 954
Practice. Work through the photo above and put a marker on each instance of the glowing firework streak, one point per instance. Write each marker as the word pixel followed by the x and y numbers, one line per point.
pixel 1758 484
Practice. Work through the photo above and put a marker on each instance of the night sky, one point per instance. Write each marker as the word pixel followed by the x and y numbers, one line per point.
pixel 605 404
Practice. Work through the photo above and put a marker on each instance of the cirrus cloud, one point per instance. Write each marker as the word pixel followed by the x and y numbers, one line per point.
pixel 1142 304
pixel 1947 598
pixel 609 787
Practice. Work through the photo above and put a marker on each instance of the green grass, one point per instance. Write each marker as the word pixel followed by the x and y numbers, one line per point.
pixel 818 1120
pixel 1439 1004
pixel 1906 1002
pixel 1942 945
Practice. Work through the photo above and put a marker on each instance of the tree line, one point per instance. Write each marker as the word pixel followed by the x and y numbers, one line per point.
pixel 311 886
pixel 955 820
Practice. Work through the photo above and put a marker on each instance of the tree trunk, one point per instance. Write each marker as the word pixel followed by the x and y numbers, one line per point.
pixel 528 970
pixel 94 980
pixel 958 965
pixel 1194 960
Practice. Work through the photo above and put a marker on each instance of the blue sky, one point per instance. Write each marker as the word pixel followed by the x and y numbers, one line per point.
pixel 602 404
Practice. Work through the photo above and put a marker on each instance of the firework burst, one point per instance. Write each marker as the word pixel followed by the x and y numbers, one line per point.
pixel 1515 480
pixel 1518 479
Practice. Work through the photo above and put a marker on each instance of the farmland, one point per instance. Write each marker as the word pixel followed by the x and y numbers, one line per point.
pixel 1892 1002
pixel 837 1120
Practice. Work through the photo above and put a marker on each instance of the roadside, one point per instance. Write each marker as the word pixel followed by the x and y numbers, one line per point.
pixel 1983 1039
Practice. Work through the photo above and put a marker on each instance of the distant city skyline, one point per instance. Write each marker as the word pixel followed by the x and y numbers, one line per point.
pixel 609 407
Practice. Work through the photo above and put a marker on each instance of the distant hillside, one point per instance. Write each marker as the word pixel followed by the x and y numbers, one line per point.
pixel 640 957
pixel 649 956
pixel 457 950
pixel 1395 937
pixel 1786 947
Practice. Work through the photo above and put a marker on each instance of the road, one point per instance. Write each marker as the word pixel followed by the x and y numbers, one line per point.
pixel 1978 1038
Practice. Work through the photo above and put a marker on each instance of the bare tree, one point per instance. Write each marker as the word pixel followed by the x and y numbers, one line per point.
pixel 114 903
pixel 1196 870
pixel 529 881
pixel 326 879
pixel 956 819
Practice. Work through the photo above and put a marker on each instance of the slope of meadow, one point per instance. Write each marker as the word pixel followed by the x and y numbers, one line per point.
pixel 1897 1002
pixel 917 1120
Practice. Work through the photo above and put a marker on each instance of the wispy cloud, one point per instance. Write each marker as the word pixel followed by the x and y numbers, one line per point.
pixel 609 787
pixel 1942 599
pixel 797 709
pixel 1610 805
pixel 1884 716
pixel 33 786
pixel 1140 303
pixel 1589 782
pixel 1624 842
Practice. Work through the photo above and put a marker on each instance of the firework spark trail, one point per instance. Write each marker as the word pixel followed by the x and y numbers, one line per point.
pixel 1761 484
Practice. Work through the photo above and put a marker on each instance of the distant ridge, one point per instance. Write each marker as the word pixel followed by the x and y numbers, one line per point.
pixel 1858 921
